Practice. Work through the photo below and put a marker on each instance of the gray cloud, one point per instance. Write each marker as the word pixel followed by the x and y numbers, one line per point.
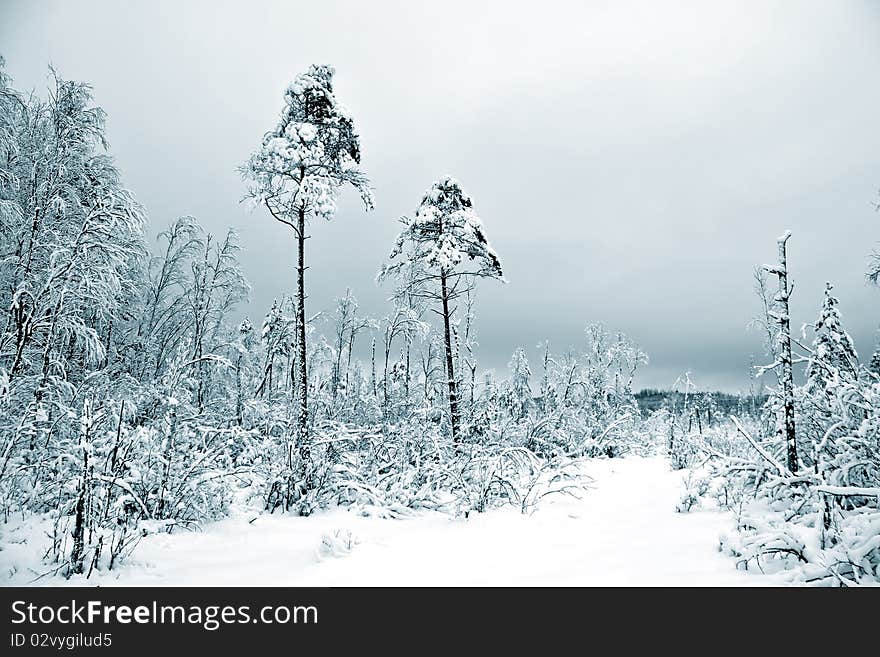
pixel 632 162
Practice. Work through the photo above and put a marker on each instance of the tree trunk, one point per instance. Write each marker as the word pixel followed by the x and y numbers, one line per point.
pixel 304 443
pixel 113 458
pixel 348 364
pixel 78 549
pixel 785 355
pixel 77 552
pixel 337 368
pixel 167 455
pixel 385 380
pixel 373 367
pixel 406 377
pixel 200 365
pixel 450 372
pixel 238 393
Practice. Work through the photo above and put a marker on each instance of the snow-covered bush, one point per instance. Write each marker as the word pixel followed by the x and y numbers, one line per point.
pixel 821 522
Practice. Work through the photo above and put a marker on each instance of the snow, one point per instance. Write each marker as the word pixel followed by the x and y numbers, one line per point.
pixel 624 531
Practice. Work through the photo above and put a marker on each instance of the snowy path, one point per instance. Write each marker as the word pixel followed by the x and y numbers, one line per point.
pixel 623 532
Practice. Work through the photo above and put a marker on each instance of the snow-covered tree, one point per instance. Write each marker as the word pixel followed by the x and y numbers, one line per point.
pixel 403 324
pixel 834 352
pixel 296 174
pixel 278 339
pixel 874 364
pixel 781 314
pixel 217 286
pixel 832 365
pixel 73 237
pixel 438 255
pixel 873 272
pixel 520 387
pixel 344 321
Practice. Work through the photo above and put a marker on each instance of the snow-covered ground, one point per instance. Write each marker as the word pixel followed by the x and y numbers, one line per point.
pixel 624 531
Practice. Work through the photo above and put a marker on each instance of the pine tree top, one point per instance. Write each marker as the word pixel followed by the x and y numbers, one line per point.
pixel 446 232
pixel 314 150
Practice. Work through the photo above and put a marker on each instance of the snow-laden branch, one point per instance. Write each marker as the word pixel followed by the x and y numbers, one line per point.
pixel 764 453
pixel 843 491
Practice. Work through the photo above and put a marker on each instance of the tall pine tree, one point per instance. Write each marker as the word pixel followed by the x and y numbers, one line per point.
pixel 438 256
pixel 296 174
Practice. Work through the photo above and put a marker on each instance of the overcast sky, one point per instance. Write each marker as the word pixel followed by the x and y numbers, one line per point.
pixel 632 162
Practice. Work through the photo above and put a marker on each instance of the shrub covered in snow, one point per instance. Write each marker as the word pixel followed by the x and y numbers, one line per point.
pixel 820 522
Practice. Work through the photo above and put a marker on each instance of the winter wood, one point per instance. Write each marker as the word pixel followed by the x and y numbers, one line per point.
pixel 134 403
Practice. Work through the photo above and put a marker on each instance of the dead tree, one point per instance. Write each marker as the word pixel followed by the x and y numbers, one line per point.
pixel 782 317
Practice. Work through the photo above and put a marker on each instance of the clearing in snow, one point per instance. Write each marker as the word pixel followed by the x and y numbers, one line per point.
pixel 624 531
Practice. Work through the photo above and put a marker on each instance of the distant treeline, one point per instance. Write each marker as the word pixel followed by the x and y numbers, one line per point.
pixel 725 403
